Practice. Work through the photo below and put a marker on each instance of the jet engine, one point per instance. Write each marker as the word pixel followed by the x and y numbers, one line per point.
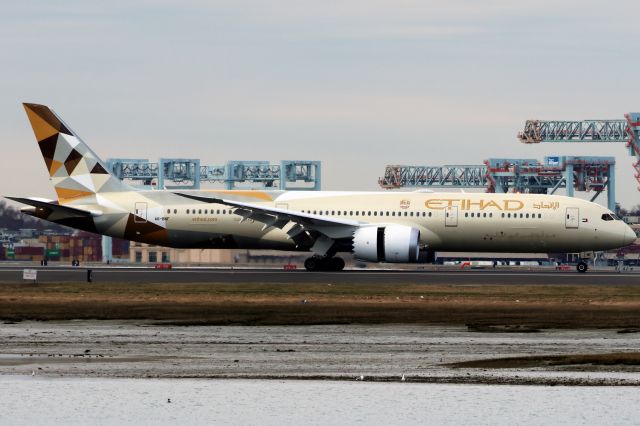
pixel 391 243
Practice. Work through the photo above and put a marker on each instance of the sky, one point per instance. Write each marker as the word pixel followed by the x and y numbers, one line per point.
pixel 355 84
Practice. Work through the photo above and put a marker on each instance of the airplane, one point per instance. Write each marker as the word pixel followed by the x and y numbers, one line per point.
pixel 392 227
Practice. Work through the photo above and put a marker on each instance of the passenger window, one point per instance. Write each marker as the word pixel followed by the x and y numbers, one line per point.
pixel 466 214
pixel 484 215
pixel 539 215
pixel 187 211
pixel 527 216
pixel 168 211
pixel 472 215
pixel 393 213
pixel 175 211
pixel 411 214
pixel 429 214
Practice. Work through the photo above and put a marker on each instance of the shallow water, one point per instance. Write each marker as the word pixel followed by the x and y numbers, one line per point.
pixel 39 400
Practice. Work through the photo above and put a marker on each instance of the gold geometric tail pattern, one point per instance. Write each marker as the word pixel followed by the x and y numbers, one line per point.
pixel 75 170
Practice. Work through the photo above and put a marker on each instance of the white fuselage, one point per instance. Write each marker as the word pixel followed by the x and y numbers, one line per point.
pixel 446 221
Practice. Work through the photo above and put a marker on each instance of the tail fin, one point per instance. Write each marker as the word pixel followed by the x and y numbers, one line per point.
pixel 76 171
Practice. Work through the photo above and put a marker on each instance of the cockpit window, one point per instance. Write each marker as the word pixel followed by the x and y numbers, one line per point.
pixel 608 216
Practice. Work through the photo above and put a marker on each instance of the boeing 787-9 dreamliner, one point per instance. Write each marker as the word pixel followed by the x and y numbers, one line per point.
pixel 394 227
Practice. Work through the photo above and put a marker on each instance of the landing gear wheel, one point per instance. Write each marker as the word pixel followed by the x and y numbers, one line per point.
pixel 582 267
pixel 317 263
pixel 312 264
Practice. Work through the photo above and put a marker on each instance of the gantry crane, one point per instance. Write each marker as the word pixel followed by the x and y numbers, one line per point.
pixel 603 131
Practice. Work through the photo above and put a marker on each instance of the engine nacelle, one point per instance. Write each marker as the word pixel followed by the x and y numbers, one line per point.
pixel 392 243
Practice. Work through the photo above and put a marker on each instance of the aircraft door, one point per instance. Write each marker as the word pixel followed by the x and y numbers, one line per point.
pixel 572 218
pixel 140 213
pixel 451 216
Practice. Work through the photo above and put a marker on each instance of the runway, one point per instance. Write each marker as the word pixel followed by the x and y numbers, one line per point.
pixel 13 274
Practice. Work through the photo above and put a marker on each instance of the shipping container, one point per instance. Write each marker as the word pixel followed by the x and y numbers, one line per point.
pixel 29 250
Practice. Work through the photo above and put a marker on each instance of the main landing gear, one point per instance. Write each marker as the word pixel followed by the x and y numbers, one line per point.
pixel 323 263
pixel 582 266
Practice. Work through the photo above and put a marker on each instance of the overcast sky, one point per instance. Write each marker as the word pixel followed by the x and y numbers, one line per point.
pixel 356 84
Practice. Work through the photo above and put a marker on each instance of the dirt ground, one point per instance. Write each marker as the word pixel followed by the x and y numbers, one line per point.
pixel 503 308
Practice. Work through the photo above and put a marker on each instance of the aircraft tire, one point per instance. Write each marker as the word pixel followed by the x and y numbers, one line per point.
pixel 312 264
pixel 582 267
pixel 316 263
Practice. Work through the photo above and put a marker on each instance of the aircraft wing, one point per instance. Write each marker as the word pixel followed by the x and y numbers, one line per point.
pixel 329 228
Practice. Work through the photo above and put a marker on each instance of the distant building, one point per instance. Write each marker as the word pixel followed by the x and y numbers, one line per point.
pixel 148 254
pixel 632 219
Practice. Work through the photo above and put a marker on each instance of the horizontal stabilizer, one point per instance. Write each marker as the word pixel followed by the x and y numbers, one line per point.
pixel 49 205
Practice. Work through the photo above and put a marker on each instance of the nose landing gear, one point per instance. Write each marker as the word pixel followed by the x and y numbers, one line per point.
pixel 323 263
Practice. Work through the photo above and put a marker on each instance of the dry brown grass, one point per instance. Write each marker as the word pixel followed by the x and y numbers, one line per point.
pixel 242 303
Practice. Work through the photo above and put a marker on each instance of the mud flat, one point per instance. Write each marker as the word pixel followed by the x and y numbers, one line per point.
pixel 503 334
pixel 420 353
pixel 506 308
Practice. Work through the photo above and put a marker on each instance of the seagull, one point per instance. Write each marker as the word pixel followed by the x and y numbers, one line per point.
pixel 360 378
pixel 402 379
pixel 168 400
pixel 33 373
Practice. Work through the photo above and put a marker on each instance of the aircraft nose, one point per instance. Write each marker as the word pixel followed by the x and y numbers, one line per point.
pixel 629 236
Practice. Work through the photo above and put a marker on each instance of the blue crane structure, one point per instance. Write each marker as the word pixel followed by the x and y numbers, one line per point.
pixel 602 131
pixel 188 173
pixel 512 174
